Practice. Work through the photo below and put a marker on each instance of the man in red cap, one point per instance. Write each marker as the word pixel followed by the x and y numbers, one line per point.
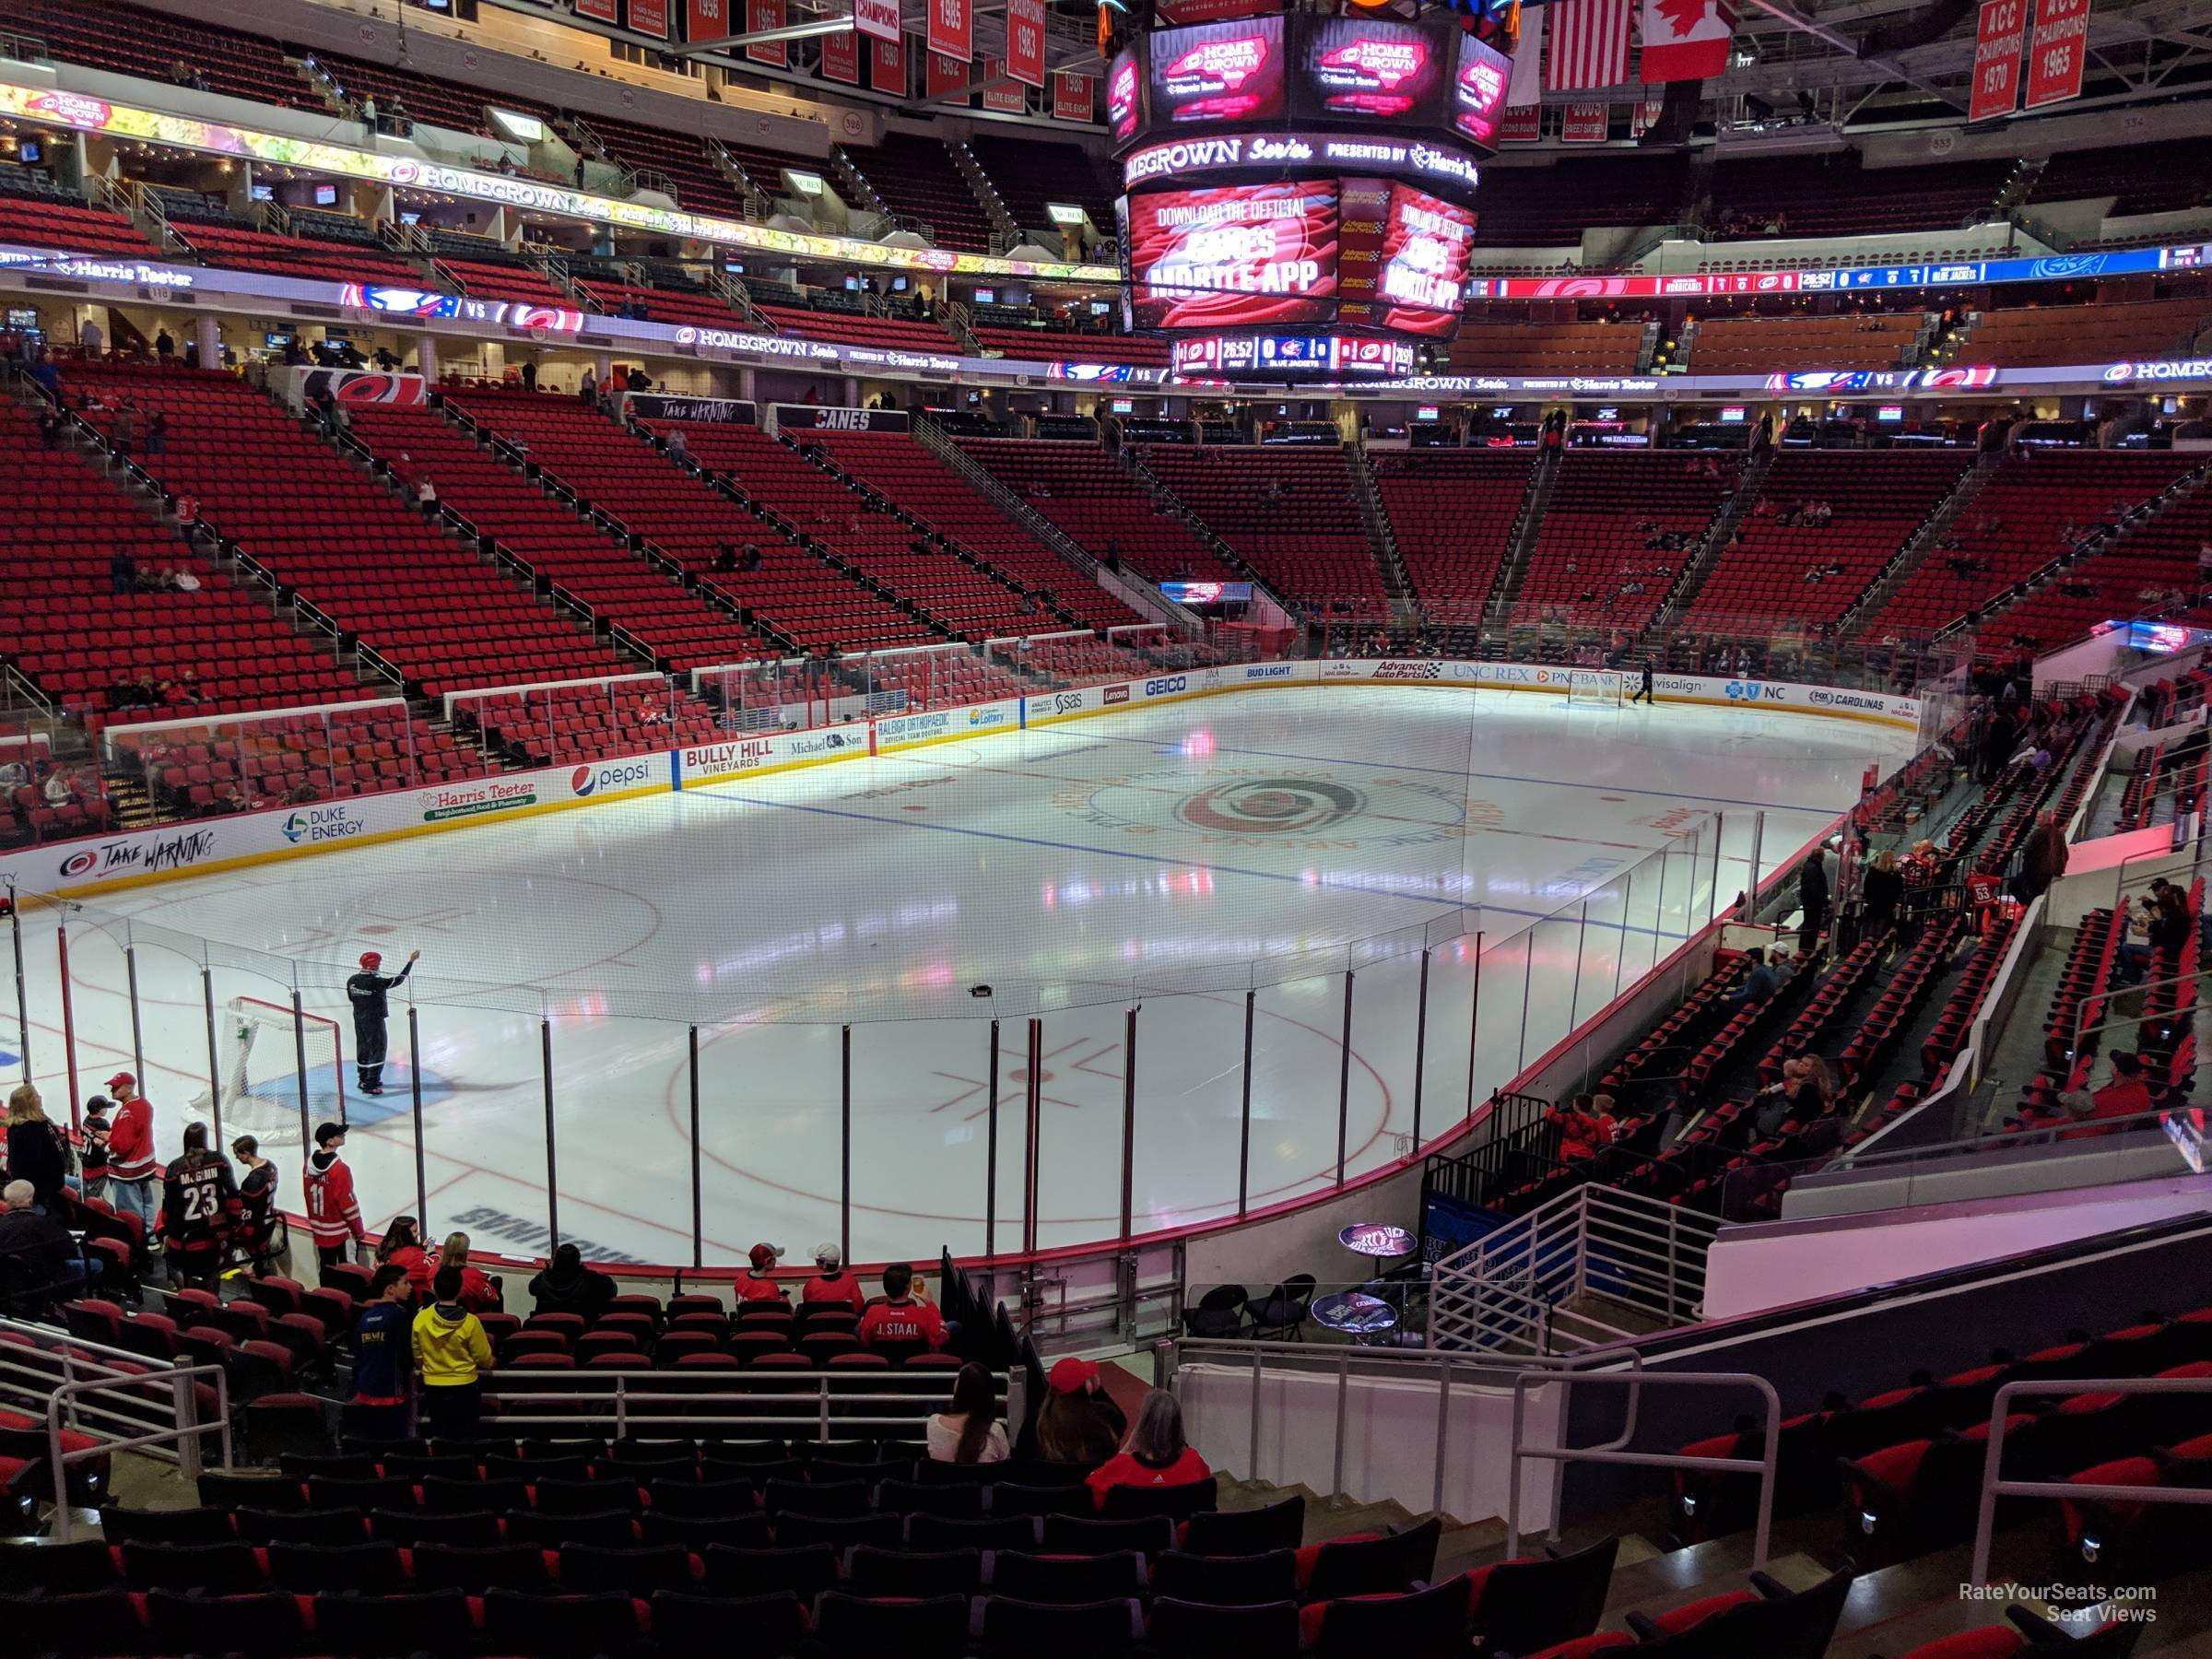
pixel 366 991
pixel 133 1174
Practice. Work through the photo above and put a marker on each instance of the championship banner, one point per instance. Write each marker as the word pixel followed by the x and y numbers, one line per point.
pixel 1072 97
pixel 952 30
pixel 650 17
pixel 887 66
pixel 599 11
pixel 841 58
pixel 1000 95
pixel 942 77
pixel 2058 50
pixel 760 15
pixel 879 20
pixel 1025 42
pixel 707 19
pixel 1522 125
pixel 2002 31
pixel 1586 124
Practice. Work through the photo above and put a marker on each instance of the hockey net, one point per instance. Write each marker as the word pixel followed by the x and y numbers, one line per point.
pixel 1600 687
pixel 257 1057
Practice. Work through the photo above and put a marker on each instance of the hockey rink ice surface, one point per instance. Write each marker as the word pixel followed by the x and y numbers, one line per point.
pixel 1170 859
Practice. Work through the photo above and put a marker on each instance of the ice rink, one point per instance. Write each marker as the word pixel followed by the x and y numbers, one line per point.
pixel 1191 861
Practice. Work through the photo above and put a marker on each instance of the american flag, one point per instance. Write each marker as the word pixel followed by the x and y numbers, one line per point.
pixel 1589 44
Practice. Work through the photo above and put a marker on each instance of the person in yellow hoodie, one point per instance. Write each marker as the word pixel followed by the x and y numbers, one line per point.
pixel 453 1353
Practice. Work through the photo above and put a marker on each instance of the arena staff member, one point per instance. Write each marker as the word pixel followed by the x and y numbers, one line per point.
pixel 366 990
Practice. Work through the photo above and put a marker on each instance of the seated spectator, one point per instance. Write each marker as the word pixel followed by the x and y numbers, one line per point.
pixel 55 790
pixel 757 1283
pixel 969 1431
pixel 569 1286
pixel 1077 1423
pixel 901 1318
pixel 478 1293
pixel 39 1263
pixel 400 1247
pixel 831 1282
pixel 1758 984
pixel 2128 1092
pixel 1157 1454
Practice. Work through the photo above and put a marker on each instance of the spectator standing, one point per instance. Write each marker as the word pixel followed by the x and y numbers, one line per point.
pixel 332 1213
pixel 899 1317
pixel 1077 1423
pixel 164 347
pixel 1157 1454
pixel 1883 890
pixel 131 1166
pixel 366 990
pixel 679 447
pixel 36 1151
pixel 122 571
pixel 831 1283
pixel 93 1158
pixel 90 341
pixel 566 1286
pixel 381 1342
pixel 2042 860
pixel 454 1354
pixel 257 1198
pixel 969 1430
pixel 1812 899
pixel 200 1210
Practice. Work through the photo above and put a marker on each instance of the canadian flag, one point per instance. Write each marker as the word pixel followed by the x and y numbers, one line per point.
pixel 1685 39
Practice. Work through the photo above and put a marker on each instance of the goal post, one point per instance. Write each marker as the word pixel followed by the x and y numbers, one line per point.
pixel 1597 687
pixel 259 1048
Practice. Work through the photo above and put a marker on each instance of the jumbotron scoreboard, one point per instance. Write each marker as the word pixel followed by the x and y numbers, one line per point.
pixel 1299 191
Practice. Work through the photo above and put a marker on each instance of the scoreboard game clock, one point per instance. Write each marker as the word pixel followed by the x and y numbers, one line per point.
pixel 1300 192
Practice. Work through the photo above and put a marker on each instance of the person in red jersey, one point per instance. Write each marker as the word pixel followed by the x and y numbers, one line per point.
pixel 1157 1454
pixel 200 1209
pixel 757 1283
pixel 832 1283
pixel 332 1213
pixel 133 1174
pixel 899 1318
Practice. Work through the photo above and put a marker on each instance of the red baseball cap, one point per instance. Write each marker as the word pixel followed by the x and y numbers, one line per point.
pixel 123 1080
pixel 369 959
pixel 765 1255
pixel 1070 1375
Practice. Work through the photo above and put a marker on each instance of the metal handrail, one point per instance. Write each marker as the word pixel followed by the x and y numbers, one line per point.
pixel 620 1399
pixel 2080 1030
pixel 1993 1489
pixel 184 1434
pixel 1613 1450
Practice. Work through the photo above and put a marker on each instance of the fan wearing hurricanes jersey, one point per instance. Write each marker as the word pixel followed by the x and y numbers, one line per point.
pixel 366 991
pixel 200 1208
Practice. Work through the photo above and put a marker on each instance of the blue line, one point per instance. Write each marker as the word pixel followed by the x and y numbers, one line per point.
pixel 1155 858
pixel 1453 772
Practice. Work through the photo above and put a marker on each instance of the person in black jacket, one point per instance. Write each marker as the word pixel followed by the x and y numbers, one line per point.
pixel 1883 889
pixel 1812 898
pixel 34 1146
pixel 569 1286
pixel 366 991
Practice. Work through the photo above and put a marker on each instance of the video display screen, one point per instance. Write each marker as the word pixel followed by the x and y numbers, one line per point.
pixel 1125 100
pixel 1426 244
pixel 1244 255
pixel 1217 72
pixel 1479 81
pixel 1372 69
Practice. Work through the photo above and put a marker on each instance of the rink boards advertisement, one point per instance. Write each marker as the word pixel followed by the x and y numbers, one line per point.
pixel 168 852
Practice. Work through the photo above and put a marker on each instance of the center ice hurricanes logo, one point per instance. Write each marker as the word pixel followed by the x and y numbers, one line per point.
pixel 1256 807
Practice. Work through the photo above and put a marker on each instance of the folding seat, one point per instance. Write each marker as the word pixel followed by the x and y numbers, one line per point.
pixel 1364 1566
pixel 702 1499
pixel 1420 1624
pixel 477 1568
pixel 361 1568
pixel 1010 1498
pixel 912 1498
pixel 1177 1503
pixel 587 1496
pixel 197 1525
pixel 334 1526
pixel 560 1626
pixel 423 1466
pixel 1281 1525
pixel 1065 1580
pixel 1188 1630
pixel 851 1627
pixel 1226 1581
pixel 1070 1534
pixel 825 1499
pixel 74 1569
pixel 326 1492
pixel 215 1568
pixel 475 1529
pixel 1768 1619
pixel 1523 1606
pixel 841 1532
pixel 806 1572
pixel 436 1622
pixel 636 1572
pixel 608 1529
pixel 1080 1629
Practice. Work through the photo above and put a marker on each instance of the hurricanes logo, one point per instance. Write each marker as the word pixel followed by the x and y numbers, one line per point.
pixel 1272 806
